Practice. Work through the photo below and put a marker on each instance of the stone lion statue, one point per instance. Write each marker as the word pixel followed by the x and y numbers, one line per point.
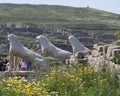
pixel 48 49
pixel 17 51
pixel 77 46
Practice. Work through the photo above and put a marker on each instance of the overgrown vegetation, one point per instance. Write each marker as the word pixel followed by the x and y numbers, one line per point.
pixel 46 17
pixel 58 16
pixel 75 80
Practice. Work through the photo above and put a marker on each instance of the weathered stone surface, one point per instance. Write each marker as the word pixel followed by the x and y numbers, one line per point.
pixel 77 46
pixel 19 51
pixel 48 49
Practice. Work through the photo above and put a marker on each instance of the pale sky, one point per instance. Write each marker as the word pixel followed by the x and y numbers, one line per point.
pixel 106 5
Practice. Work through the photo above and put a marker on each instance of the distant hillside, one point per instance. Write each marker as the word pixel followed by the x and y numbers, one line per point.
pixel 58 16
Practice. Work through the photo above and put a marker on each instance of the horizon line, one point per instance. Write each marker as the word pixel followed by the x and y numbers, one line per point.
pixel 61 5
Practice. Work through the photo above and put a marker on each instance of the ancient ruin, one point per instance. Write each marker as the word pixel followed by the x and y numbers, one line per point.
pixel 17 51
pixel 77 46
pixel 48 49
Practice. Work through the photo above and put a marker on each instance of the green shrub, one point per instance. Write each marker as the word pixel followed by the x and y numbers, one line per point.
pixel 75 80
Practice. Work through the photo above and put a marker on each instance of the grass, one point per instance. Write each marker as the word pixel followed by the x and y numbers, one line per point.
pixel 48 17
pixel 57 16
pixel 75 80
